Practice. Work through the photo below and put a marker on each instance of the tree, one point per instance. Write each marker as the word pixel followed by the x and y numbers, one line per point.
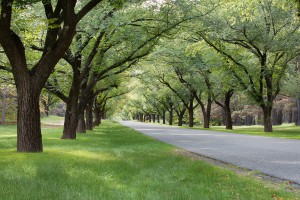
pixel 62 18
pixel 258 40
pixel 47 101
pixel 291 86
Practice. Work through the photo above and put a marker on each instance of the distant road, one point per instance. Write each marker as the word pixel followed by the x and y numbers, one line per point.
pixel 273 156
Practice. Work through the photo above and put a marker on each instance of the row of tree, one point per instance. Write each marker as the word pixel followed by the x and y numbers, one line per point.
pixel 248 49
pixel 189 53
pixel 78 50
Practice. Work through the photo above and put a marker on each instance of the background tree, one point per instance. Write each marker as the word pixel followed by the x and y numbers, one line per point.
pixel 258 44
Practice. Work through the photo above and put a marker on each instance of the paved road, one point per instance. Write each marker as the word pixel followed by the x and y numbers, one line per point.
pixel 272 156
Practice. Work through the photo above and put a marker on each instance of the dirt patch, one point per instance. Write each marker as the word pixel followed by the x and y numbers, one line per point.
pixel 277 182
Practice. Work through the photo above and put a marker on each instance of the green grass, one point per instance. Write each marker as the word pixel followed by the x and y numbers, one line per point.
pixel 290 131
pixel 116 162
pixel 51 119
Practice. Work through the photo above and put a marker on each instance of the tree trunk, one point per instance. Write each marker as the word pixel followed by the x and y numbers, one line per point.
pixel 89 116
pixel 191 114
pixel 228 118
pixel 158 120
pixel 72 110
pixel 164 117
pixel 153 118
pixel 290 116
pixel 97 121
pixel 227 110
pixel 171 116
pixel 180 115
pixel 298 112
pixel 205 112
pixel 71 119
pixel 267 110
pixel 47 109
pixel 29 124
pixel 81 127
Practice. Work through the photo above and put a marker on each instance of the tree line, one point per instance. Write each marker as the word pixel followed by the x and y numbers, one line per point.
pixel 189 53
pixel 250 50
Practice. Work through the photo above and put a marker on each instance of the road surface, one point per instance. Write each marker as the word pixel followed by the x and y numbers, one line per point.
pixel 273 156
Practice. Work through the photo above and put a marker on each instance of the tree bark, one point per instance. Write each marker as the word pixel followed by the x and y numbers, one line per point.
pixel 267 110
pixel 191 113
pixel 164 117
pixel 72 111
pixel 171 116
pixel 97 121
pixel 298 112
pixel 89 116
pixel 158 120
pixel 227 110
pixel 205 111
pixel 71 119
pixel 81 127
pixel 29 124
pixel 180 115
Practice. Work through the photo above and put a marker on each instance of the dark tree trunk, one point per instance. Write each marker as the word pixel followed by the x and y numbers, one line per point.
pixel 29 124
pixel 140 119
pixel 72 111
pixel 47 108
pixel 205 112
pixel 298 112
pixel 171 116
pixel 191 113
pixel 277 116
pixel 180 115
pixel 98 114
pixel 227 110
pixel 89 116
pixel 81 127
pixel 267 110
pixel 208 113
pixel 71 119
pixel 153 118
pixel 150 118
pixel 290 116
pixel 158 120
pixel 228 118
pixel 164 117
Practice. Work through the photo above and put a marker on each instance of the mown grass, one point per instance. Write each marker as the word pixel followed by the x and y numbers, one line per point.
pixel 289 131
pixel 51 119
pixel 116 162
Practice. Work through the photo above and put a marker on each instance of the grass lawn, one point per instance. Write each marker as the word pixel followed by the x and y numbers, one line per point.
pixel 290 131
pixel 51 119
pixel 116 162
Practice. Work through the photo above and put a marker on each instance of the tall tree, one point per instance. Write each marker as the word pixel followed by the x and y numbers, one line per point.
pixel 62 18
pixel 258 39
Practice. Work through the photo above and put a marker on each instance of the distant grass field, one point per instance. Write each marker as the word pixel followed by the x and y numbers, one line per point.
pixel 290 131
pixel 51 119
pixel 116 162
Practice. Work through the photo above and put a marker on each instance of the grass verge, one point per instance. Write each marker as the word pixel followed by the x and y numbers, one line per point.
pixel 289 131
pixel 116 162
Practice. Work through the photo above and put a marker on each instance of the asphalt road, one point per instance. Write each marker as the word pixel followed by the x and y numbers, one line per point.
pixel 273 156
